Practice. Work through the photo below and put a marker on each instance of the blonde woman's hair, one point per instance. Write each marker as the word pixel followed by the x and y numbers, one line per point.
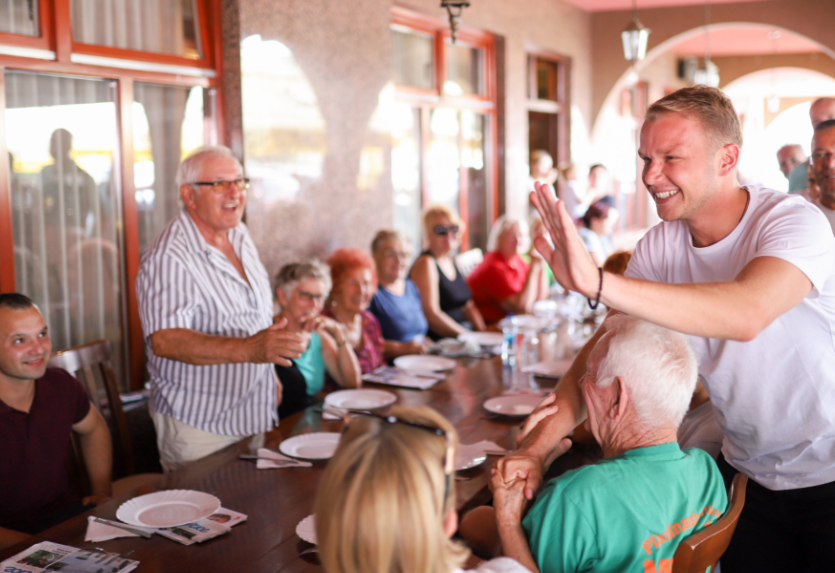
pixel 439 210
pixel 500 226
pixel 709 106
pixel 384 498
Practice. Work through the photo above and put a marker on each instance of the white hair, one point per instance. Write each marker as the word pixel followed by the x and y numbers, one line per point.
pixel 500 226
pixel 290 275
pixel 657 366
pixel 190 167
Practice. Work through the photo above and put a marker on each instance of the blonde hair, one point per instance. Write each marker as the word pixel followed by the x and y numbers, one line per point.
pixel 383 236
pixel 709 106
pixel 384 498
pixel 502 224
pixel 439 210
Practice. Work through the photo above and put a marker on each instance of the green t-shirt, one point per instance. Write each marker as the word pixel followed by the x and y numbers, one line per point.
pixel 312 366
pixel 626 513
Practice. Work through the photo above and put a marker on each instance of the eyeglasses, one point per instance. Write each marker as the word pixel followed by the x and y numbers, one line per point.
pixel 449 457
pixel 392 254
pixel 821 157
pixel 444 229
pixel 219 187
pixel 310 297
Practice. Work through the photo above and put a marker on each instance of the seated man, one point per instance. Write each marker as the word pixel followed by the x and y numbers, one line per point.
pixel 38 409
pixel 629 511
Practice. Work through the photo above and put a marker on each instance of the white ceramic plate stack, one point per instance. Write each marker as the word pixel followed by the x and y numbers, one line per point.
pixel 168 508
pixel 306 529
pixel 424 363
pixel 488 339
pixel 315 446
pixel 360 399
pixel 516 405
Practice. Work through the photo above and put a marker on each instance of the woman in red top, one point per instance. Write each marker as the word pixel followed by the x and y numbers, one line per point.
pixel 504 282
pixel 354 276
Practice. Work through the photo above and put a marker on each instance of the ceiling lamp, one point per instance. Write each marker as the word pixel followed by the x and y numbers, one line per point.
pixel 707 74
pixel 454 9
pixel 635 37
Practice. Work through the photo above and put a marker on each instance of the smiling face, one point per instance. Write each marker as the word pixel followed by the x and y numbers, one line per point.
pixel 216 212
pixel 355 291
pixel 391 259
pixel 26 345
pixel 305 301
pixel 680 166
pixel 823 160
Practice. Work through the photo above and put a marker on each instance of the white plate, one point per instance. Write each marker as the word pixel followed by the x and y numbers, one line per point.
pixel 360 399
pixel 518 405
pixel 552 368
pixel 422 363
pixel 469 456
pixel 315 446
pixel 168 508
pixel 306 529
pixel 482 338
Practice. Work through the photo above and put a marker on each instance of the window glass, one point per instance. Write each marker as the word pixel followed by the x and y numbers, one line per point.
pixel 167 126
pixel 165 27
pixel 546 79
pixel 405 171
pixel 473 151
pixel 443 158
pixel 62 136
pixel 464 70
pixel 19 17
pixel 414 59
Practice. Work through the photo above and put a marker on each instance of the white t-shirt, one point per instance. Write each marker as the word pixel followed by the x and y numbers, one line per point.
pixel 497 565
pixel 830 214
pixel 774 397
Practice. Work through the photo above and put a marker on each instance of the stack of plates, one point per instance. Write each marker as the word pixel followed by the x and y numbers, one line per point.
pixel 424 363
pixel 359 399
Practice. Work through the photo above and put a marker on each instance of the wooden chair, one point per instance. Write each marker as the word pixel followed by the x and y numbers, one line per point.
pixel 90 363
pixel 703 549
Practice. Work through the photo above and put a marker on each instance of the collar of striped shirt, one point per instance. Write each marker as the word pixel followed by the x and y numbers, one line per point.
pixel 195 241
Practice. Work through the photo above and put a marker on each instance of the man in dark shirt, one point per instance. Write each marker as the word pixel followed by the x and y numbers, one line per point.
pixel 39 407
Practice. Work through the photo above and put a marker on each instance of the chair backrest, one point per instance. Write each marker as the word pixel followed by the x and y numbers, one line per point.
pixel 468 261
pixel 90 363
pixel 703 549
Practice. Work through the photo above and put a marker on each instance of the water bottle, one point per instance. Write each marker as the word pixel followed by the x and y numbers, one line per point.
pixel 509 332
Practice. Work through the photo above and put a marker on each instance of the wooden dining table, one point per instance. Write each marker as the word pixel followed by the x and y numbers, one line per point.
pixel 277 499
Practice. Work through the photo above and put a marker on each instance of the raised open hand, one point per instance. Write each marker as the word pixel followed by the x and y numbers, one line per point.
pixel 568 259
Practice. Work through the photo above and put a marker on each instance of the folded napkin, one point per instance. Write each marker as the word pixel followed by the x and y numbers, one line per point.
pixel 102 532
pixel 490 448
pixel 269 464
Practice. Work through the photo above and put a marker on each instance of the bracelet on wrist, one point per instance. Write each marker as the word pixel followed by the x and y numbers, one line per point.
pixel 596 303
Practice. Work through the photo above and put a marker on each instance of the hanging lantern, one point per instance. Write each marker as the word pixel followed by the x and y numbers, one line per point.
pixel 635 38
pixel 454 9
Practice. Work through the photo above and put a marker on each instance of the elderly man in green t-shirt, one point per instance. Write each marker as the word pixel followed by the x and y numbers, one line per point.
pixel 629 511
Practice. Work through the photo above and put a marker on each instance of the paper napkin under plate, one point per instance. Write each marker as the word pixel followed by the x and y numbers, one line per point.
pixel 269 464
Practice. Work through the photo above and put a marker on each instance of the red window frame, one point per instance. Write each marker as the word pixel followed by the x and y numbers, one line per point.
pixel 56 35
pixel 426 100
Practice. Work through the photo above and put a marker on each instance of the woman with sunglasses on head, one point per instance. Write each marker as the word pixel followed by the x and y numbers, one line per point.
pixel 447 300
pixel 387 500
pixel 396 304
pixel 301 289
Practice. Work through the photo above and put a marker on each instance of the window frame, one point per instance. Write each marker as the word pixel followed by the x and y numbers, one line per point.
pixel 56 36
pixel 560 107
pixel 426 100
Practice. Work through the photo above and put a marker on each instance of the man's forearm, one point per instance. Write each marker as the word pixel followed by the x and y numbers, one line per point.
pixel 515 546
pixel 198 348
pixel 98 458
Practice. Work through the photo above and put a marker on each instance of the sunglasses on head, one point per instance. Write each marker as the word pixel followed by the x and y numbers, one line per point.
pixel 449 457
pixel 444 229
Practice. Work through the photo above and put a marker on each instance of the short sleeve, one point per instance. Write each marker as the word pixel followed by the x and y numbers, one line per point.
pixel 559 534
pixel 800 234
pixel 77 395
pixel 167 294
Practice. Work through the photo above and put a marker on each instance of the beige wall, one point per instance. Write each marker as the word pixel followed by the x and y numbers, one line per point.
pixel 344 48
pixel 733 68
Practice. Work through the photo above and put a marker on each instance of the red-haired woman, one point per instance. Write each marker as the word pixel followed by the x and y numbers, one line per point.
pixel 354 276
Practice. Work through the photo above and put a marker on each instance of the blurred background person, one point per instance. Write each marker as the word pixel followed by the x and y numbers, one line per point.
pixel 823 163
pixel 538 230
pixel 301 289
pixel 396 304
pixel 600 185
pixel 354 278
pixel 596 233
pixel 387 499
pixel 789 156
pixel 504 282
pixel 446 298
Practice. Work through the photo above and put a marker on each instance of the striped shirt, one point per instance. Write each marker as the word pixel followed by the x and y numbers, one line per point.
pixel 185 283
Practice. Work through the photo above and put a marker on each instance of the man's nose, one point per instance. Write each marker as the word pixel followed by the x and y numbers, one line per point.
pixel 652 172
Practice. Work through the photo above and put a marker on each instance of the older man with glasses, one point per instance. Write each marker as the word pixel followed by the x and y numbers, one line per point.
pixel 207 318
